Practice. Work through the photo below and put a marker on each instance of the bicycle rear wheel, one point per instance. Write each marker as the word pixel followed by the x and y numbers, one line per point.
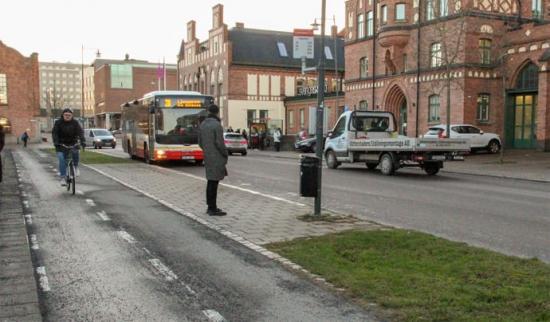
pixel 72 175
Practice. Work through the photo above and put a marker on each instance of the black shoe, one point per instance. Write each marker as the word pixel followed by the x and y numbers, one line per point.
pixel 217 212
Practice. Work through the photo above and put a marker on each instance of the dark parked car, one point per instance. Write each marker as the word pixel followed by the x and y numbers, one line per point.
pixel 307 145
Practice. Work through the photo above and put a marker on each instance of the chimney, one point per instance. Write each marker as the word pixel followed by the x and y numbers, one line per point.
pixel 239 25
pixel 217 16
pixel 191 25
pixel 334 31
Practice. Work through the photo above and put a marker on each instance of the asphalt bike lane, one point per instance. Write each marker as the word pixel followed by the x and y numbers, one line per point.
pixel 117 247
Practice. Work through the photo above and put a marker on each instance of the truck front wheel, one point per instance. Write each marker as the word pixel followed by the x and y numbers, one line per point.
pixel 387 166
pixel 332 163
pixel 431 168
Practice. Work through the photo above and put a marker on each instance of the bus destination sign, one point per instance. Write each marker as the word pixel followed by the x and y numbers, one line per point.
pixel 181 103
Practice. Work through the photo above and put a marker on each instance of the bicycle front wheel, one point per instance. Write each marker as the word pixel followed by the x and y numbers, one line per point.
pixel 72 175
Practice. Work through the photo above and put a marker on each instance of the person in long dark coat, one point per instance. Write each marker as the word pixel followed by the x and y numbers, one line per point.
pixel 1 148
pixel 215 157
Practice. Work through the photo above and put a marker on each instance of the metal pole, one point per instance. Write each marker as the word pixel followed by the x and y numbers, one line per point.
pixel 320 108
pixel 82 109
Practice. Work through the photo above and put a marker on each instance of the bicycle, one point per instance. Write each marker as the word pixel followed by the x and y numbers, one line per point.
pixel 70 177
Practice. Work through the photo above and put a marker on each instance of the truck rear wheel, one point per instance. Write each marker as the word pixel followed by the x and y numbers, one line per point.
pixel 387 166
pixel 332 162
pixel 431 168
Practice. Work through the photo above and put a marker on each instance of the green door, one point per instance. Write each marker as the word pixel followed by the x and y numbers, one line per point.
pixel 524 121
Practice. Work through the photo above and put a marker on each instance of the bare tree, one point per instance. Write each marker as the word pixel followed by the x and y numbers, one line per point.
pixel 447 47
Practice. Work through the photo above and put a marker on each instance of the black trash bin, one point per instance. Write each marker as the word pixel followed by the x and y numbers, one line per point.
pixel 308 176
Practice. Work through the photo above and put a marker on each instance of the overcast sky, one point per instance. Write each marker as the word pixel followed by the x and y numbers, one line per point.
pixel 57 29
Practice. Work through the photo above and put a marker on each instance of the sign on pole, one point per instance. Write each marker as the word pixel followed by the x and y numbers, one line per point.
pixel 303 43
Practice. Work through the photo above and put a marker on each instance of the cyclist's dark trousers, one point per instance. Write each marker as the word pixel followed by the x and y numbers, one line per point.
pixel 62 157
pixel 212 194
pixel 0 168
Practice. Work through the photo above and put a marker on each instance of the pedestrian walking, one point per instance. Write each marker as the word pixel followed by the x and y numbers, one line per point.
pixel 230 129
pixel 25 138
pixel 1 148
pixel 277 139
pixel 245 136
pixel 215 157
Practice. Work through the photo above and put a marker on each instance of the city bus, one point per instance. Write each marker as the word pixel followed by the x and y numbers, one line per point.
pixel 164 125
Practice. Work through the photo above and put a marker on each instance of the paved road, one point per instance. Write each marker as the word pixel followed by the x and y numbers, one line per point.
pixel 110 254
pixel 506 215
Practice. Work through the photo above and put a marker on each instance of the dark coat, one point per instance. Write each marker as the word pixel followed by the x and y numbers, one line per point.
pixel 67 133
pixel 213 146
pixel 2 135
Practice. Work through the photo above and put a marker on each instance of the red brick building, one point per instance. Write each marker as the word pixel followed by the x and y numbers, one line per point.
pixel 120 81
pixel 251 72
pixel 19 93
pixel 494 56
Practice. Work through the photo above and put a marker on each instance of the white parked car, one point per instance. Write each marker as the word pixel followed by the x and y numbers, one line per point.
pixel 235 143
pixel 98 138
pixel 479 140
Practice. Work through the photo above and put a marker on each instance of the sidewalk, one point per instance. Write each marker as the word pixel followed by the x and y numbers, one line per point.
pixel 18 291
pixel 518 164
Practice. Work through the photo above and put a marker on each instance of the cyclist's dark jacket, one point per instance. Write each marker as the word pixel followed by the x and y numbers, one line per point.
pixel 67 133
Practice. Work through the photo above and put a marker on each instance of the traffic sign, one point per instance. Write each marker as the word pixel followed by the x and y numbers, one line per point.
pixel 303 43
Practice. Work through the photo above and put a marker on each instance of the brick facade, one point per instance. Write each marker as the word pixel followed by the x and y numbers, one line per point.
pixel 108 99
pixel 400 75
pixel 23 98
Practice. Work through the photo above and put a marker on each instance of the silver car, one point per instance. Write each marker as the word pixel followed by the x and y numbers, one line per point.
pixel 235 143
pixel 99 138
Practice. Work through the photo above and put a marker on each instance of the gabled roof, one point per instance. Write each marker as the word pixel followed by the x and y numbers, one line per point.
pixel 255 47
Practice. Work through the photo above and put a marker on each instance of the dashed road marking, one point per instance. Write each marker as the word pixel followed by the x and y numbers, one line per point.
pixel 90 202
pixel 163 269
pixel 80 193
pixel 26 203
pixel 213 316
pixel 28 219
pixel 43 279
pixel 34 242
pixel 124 235
pixel 103 216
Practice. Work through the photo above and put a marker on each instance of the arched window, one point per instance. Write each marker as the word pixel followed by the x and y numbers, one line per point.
pixel 528 78
pixel 363 67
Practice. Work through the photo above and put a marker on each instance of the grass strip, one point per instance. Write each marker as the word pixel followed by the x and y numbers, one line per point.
pixel 90 157
pixel 414 276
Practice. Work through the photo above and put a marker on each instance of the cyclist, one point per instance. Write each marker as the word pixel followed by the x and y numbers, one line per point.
pixel 67 131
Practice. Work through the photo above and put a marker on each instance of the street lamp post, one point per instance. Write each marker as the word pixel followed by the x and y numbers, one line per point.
pixel 320 111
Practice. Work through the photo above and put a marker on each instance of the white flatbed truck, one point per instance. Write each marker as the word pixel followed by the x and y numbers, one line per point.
pixel 371 137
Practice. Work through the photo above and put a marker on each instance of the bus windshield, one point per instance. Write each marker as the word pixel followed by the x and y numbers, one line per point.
pixel 178 126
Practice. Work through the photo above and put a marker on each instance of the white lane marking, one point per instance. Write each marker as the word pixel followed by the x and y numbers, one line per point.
pixel 124 235
pixel 213 316
pixel 147 251
pixel 80 193
pixel 103 216
pixel 43 279
pixel 90 202
pixel 34 242
pixel 236 187
pixel 28 218
pixel 26 204
pixel 189 289
pixel 40 154
pixel 163 269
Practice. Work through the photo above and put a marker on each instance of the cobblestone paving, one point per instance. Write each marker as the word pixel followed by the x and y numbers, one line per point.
pixel 258 218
